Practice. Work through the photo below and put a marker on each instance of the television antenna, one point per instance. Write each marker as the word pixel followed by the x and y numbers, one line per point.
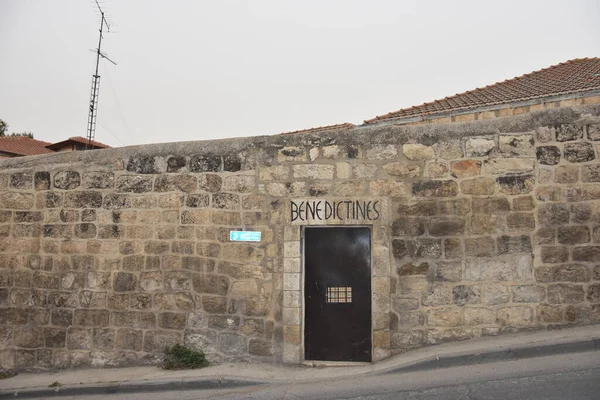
pixel 91 125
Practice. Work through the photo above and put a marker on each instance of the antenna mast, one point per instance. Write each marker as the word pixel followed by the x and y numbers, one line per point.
pixel 91 128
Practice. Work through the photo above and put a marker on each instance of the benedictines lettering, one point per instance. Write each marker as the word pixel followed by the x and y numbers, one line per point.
pixel 325 210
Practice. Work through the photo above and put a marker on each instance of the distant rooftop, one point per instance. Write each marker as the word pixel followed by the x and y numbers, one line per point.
pixel 17 146
pixel 571 77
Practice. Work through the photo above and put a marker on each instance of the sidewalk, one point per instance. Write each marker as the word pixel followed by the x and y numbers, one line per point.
pixel 141 379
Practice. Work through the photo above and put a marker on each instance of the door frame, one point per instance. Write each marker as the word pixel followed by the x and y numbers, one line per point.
pixel 303 285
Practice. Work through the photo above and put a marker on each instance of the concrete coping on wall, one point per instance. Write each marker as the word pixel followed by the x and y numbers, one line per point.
pixel 373 134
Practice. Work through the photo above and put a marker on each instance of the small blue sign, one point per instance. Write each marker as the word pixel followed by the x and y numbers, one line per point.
pixel 244 236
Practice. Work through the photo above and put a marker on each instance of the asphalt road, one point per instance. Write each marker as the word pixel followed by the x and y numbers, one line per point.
pixel 572 376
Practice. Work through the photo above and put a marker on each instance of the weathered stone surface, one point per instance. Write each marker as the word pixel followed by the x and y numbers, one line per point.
pixel 232 343
pixel 291 153
pixel 567 132
pixel 233 162
pixel 402 170
pixel 487 270
pixel 566 174
pixel 446 226
pixel 465 168
pixel 494 294
pixel 313 171
pixel 408 227
pixel 516 145
pixel 586 253
pixel 55 337
pixel 239 183
pixel 514 316
pixel 83 199
pixel 450 271
pixel 168 183
pixel 417 152
pixel 41 181
pixel 579 152
pixel 79 338
pixel 479 247
pixel 448 150
pixel 437 170
pixel 67 180
pixel 435 336
pixel 145 165
pixel 590 173
pixel 554 254
pixel 479 147
pixel 593 293
pixel 388 188
pixel 528 294
pixel 171 320
pixel 577 234
pixel 553 214
pixel 548 155
pixel 478 316
pixel 565 294
pixel 21 180
pixel 503 166
pixel 514 244
pixel 447 316
pixel 490 205
pixel 520 221
pixel 441 295
pixel 548 313
pixel 519 184
pixel 157 341
pixel 91 317
pixel 124 282
pixel 445 188
pixel 260 348
pixel 16 200
pixel 382 152
pixel 466 294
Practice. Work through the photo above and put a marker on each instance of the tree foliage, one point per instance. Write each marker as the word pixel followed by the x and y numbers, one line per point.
pixel 4 131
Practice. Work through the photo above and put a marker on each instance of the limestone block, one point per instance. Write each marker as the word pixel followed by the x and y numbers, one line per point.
pixel 447 316
pixel 15 200
pixel 239 183
pixel 566 174
pixel 21 180
pixel 210 183
pixel 274 173
pixel 519 184
pixel 243 289
pixel 502 166
pixel 260 348
pixel 479 247
pixel 465 168
pixel 441 295
pixel 528 294
pixel 442 188
pixel 41 181
pixel 516 145
pixel 466 294
pixel 448 150
pixel 478 316
pixel 157 341
pixel 290 189
pixel 565 294
pixel 398 169
pixel 313 171
pixel 292 154
pixel 175 301
pixel 406 339
pixel 546 313
pixel 382 152
pixel 494 294
pixel 418 152
pixel 208 283
pixel 579 152
pixel 590 173
pixel 365 171
pixel 568 132
pixel 514 316
pixel 449 271
pixel 479 147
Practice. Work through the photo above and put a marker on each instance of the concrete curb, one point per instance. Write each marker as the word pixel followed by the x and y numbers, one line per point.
pixel 511 354
pixel 131 387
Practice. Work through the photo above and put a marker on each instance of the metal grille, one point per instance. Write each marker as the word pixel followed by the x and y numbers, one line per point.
pixel 342 294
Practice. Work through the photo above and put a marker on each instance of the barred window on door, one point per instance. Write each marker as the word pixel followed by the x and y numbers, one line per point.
pixel 339 294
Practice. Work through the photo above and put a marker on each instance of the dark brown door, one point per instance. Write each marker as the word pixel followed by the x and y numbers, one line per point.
pixel 337 292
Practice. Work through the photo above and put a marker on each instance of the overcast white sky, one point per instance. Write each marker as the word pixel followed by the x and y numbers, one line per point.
pixel 194 70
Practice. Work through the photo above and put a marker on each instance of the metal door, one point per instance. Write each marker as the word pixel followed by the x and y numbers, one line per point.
pixel 337 290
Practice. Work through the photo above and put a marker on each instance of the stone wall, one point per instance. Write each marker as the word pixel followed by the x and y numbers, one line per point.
pixel 108 256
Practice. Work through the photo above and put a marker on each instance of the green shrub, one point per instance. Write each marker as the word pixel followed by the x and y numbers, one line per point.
pixel 181 357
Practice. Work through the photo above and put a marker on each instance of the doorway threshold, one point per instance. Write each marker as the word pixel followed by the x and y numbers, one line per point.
pixel 319 364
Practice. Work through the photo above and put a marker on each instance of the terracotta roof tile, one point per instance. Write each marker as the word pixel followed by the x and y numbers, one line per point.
pixel 578 75
pixel 346 125
pixel 23 146
pixel 80 140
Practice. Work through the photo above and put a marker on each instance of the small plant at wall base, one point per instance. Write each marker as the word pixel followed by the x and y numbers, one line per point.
pixel 181 357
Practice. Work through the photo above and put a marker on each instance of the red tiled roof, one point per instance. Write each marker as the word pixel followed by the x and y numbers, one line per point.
pixel 78 140
pixel 23 146
pixel 578 75
pixel 345 125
